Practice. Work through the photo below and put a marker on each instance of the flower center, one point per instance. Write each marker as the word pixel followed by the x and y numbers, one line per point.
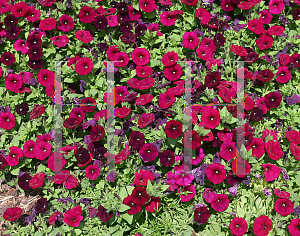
pixel 145 4
pixel 227 5
pixel 171 59
pixel 254 146
pixel 191 40
pixel 66 22
pixel 217 172
pixel 230 149
pixel 87 14
pixel 283 205
pixel 85 66
pixel 139 194
pixel 7 119
pixel 282 74
pixel 174 71
pixel 30 149
pixel 211 118
pixel 272 99
pixel 13 155
pixel 141 56
pixel 237 225
pixel 265 226
pixel 148 151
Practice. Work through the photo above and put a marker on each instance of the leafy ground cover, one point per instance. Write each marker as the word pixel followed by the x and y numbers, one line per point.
pixel 230 189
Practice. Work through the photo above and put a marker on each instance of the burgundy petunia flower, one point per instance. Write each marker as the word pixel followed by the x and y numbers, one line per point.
pixel 66 23
pixel 101 22
pixel 264 42
pixel 7 120
pixel 257 114
pixel 87 14
pixel 73 216
pixel 42 150
pixel 265 75
pixel 139 196
pixel 146 119
pixel 142 177
pixel 19 9
pixel 167 158
pixel 190 40
pixel 173 129
pixel 216 173
pixel 191 139
pixel 8 58
pixel 41 205
pixel 266 17
pixel 23 181
pixel 262 225
pixel 37 111
pixel 77 112
pixel 212 79
pixel 12 214
pixel 148 152
pixel 276 6
pixel 284 206
pixel 273 99
pixel 220 202
pixel 3 162
pixel 37 180
pixel 71 123
pixel 147 5
pixel 238 226
pixel 97 133
pixel 153 205
pixel 47 24
pixel 272 172
pixel 92 172
pixel 201 214
pixel 144 99
pixel 83 156
pixel 137 140
pixel 134 208
pixel 36 65
pixel 84 66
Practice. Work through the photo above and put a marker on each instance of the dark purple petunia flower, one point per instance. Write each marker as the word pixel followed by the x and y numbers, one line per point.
pixel 85 201
pixel 216 158
pixel 111 176
pixel 30 218
pixel 81 86
pixel 297 210
pixel 65 200
pixel 140 30
pixel 32 81
pixel 293 100
pixel 41 205
pixel 246 181
pixel 285 174
pixel 284 20
pixel 22 108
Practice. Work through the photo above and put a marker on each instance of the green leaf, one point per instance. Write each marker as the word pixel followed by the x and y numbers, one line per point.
pixel 15 171
pixel 38 234
pixel 123 208
pixel 93 91
pixel 77 231
pixel 123 193
pixel 262 211
pixel 240 212
pixel 128 218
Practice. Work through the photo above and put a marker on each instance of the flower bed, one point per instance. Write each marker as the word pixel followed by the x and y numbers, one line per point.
pixel 190 156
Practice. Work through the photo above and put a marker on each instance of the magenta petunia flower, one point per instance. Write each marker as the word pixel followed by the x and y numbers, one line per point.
pixel 87 14
pixel 37 111
pixel 84 36
pixel 144 99
pixel 272 172
pixel 84 66
pixel 37 180
pixel 256 26
pixel 173 73
pixel 209 194
pixel 210 118
pixel 56 162
pixel 47 24
pixel 142 177
pixel 262 225
pixel 45 77
pixel 73 217
pixel 240 167
pixel 66 23
pixel 7 120
pixel 13 82
pixel 92 172
pixel 228 150
pixel 276 6
pixel 12 214
pixel 204 52
pixel 274 150
pixel 144 71
pixel 284 206
pixel 33 14
pixel 4 6
pixel 42 150
pixel 14 155
pixel 185 197
pixel 146 119
pixel 238 226
pixel 220 202
pixel 148 152
pixel 140 56
pixel 257 146
pixel 170 59
pixel 293 136
pixel 60 41
pixel 182 178
pixel 266 17
pixel 21 45
pixel 19 9
pixel 283 74
pixel 190 40
pixel 238 50
pixel 153 205
pixel 264 42
pixel 123 58
pixel 203 15
pixel 294 228
pixel 147 5
pixel 166 99
pixel 216 173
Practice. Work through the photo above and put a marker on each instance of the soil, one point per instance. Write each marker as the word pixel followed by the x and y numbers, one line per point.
pixel 12 197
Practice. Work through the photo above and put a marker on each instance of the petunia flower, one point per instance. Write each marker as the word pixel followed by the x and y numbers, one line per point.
pixel 220 202
pixel 276 6
pixel 147 5
pixel 201 214
pixel 216 173
pixel 73 217
pixel 148 152
pixel 238 226
pixel 273 99
pixel 271 171
pixel 87 14
pixel 12 213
